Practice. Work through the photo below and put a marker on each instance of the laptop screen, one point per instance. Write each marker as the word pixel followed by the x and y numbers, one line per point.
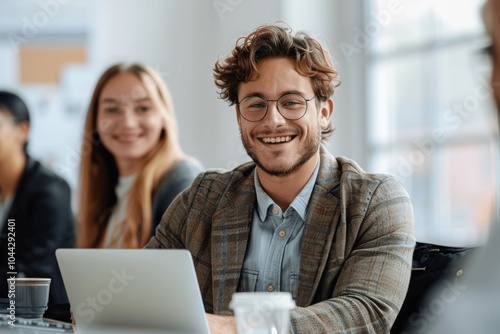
pixel 150 289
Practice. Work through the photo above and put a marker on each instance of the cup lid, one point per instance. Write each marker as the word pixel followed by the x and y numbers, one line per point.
pixel 269 300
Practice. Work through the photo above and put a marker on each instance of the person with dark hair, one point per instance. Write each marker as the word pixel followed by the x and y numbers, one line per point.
pixel 35 208
pixel 295 219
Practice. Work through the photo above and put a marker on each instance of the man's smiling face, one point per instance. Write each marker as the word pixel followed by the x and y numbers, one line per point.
pixel 279 146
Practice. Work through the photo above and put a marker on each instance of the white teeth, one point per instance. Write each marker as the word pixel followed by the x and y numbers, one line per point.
pixel 275 140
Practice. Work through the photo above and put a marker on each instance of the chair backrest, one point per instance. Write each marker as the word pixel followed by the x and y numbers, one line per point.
pixel 436 280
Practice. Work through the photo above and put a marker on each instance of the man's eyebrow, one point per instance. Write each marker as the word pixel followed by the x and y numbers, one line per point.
pixel 253 94
pixel 294 91
pixel 259 94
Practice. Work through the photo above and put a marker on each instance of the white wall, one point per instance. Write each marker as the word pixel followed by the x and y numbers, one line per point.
pixel 334 22
pixel 182 39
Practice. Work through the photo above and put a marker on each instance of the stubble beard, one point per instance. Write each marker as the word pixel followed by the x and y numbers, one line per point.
pixel 306 152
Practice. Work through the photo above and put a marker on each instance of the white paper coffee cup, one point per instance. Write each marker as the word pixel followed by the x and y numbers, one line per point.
pixel 262 312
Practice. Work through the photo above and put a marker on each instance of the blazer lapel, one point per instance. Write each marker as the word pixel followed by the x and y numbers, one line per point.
pixel 230 233
pixel 321 223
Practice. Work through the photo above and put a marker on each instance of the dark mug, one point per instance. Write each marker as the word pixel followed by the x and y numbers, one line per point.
pixel 28 297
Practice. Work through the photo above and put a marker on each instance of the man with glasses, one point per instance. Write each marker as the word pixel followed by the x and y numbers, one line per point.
pixel 294 219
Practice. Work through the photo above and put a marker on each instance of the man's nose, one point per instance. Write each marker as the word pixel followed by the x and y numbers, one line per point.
pixel 273 115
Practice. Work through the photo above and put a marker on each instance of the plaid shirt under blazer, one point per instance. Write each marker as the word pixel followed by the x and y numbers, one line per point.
pixel 357 244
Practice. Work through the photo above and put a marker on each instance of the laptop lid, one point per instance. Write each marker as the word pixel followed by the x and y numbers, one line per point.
pixel 149 289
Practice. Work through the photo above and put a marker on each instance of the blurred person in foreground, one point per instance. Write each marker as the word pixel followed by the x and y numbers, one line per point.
pixel 476 308
pixel 132 165
pixel 295 219
pixel 35 207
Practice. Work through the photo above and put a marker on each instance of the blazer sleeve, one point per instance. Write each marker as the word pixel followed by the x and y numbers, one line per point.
pixel 374 276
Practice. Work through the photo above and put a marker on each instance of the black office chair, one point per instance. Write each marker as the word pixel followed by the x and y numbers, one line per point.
pixel 436 280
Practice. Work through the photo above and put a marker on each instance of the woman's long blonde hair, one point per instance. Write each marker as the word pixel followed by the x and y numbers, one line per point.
pixel 99 174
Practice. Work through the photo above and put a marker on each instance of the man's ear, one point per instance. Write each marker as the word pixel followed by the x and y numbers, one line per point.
pixel 326 113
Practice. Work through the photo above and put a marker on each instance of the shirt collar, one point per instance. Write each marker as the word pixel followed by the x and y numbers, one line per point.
pixel 299 204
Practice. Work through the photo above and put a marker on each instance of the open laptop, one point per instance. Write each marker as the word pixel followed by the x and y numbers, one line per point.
pixel 133 290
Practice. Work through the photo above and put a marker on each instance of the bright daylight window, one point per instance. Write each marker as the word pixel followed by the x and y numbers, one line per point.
pixel 431 118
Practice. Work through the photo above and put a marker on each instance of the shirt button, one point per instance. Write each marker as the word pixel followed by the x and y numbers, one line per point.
pixel 275 210
pixel 270 288
pixel 282 233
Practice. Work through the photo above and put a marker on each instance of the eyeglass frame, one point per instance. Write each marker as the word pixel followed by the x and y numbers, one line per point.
pixel 277 106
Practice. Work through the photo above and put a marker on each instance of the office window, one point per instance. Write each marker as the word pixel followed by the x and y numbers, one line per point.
pixel 432 120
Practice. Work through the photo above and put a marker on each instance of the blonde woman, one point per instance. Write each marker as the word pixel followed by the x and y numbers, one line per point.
pixel 132 165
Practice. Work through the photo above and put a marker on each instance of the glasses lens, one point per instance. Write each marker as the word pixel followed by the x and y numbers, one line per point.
pixel 253 108
pixel 292 106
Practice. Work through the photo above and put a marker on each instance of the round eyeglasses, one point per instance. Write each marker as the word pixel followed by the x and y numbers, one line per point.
pixel 290 106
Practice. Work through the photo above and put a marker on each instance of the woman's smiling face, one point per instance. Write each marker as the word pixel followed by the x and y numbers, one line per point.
pixel 129 120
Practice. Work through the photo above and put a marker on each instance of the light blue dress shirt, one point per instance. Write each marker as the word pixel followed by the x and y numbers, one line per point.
pixel 272 261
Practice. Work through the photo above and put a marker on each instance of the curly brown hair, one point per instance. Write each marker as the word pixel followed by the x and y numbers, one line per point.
pixel 274 40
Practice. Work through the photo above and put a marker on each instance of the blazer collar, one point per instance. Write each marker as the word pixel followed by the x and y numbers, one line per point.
pixel 321 223
pixel 230 233
pixel 231 230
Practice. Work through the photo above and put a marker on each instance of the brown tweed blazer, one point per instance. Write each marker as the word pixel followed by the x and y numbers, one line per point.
pixel 356 251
